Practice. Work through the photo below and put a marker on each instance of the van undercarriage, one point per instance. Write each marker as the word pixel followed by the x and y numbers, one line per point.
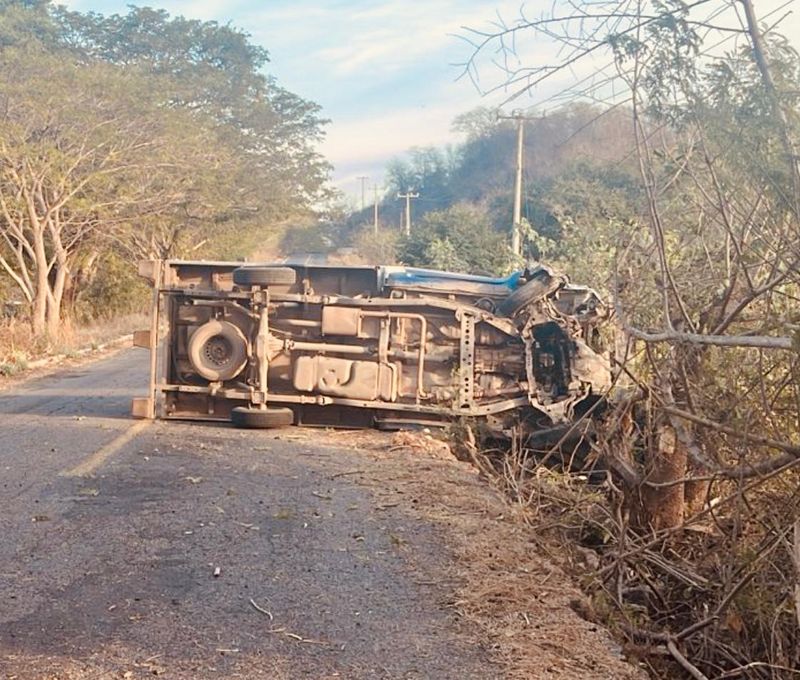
pixel 389 347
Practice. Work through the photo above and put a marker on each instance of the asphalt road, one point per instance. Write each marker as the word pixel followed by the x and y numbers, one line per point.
pixel 113 531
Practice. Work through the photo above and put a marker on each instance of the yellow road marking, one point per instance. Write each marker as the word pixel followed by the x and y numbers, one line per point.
pixel 95 460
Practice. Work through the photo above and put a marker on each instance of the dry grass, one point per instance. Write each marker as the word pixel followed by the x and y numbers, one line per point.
pixel 713 596
pixel 19 347
pixel 101 332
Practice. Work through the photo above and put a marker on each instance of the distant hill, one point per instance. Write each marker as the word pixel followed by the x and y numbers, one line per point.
pixel 481 170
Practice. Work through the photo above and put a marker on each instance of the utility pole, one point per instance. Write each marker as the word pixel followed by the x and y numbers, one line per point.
pixel 408 196
pixel 375 198
pixel 363 184
pixel 516 226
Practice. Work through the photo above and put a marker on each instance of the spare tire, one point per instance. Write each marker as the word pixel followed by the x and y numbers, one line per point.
pixel 218 350
pixel 264 276
pixel 261 419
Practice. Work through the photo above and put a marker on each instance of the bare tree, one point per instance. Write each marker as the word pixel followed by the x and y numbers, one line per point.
pixel 721 223
pixel 88 160
pixel 705 285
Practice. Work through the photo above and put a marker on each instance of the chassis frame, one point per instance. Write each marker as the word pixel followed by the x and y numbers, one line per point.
pixel 374 346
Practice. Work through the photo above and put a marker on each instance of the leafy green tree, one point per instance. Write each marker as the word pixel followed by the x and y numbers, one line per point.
pixel 25 22
pixel 459 238
pixel 481 169
pixel 139 135
pixel 428 171
pixel 585 212
pixel 478 123
pixel 214 70
pixel 113 289
pixel 376 248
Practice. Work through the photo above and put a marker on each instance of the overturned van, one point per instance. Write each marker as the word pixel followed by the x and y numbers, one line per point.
pixel 270 345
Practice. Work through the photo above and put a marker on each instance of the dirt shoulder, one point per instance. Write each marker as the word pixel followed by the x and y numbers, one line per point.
pixel 508 592
pixel 51 364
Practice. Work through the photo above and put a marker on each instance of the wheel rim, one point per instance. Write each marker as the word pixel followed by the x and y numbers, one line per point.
pixel 218 352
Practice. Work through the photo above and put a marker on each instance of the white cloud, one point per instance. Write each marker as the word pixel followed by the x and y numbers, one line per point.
pixel 376 138
pixel 206 10
pixel 372 41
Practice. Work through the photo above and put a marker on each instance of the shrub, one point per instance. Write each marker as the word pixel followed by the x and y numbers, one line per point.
pixel 114 289
pixel 460 238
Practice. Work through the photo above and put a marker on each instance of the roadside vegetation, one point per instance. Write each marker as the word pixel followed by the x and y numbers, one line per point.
pixel 689 536
pixel 580 174
pixel 136 136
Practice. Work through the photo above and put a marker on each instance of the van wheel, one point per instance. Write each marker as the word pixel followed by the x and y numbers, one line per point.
pixel 261 419
pixel 535 289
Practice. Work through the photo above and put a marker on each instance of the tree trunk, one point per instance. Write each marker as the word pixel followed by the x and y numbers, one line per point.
pixel 39 317
pixel 796 560
pixel 662 506
pixel 55 299
pixel 39 312
pixel 696 493
pixel 663 495
pixel 81 276
pixel 53 319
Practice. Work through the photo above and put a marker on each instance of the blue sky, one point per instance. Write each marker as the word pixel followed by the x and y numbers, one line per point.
pixel 382 70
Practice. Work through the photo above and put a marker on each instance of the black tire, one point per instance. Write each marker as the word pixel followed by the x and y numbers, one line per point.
pixel 535 289
pixel 264 276
pixel 261 419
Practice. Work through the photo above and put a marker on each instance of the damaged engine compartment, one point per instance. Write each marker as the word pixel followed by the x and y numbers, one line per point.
pixel 387 346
